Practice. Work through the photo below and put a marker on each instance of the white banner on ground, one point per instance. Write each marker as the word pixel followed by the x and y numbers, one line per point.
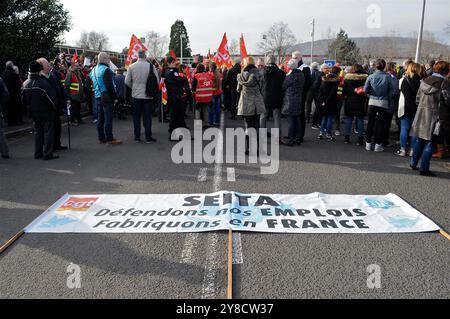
pixel 314 213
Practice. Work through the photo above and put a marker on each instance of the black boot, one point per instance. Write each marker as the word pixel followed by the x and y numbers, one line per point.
pixel 347 139
pixel 360 141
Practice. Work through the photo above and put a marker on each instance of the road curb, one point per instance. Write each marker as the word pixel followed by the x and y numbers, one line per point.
pixel 29 129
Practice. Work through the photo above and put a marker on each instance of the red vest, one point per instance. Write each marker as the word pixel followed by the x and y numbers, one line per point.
pixel 205 87
pixel 74 85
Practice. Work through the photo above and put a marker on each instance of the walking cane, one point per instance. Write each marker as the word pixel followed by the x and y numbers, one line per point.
pixel 68 122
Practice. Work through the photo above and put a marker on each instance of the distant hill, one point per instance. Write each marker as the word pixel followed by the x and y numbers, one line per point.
pixel 386 47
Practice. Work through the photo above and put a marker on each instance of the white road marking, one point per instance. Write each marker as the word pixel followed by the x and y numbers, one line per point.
pixel 238 258
pixel 202 175
pixel 231 174
pixel 16 205
pixel 188 250
pixel 209 289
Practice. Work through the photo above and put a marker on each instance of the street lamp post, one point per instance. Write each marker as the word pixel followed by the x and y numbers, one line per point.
pixel 419 40
pixel 181 42
pixel 313 22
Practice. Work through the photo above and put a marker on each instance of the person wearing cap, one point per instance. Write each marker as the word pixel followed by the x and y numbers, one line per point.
pixel 42 100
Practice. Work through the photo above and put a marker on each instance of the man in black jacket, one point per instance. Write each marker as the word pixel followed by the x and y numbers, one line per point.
pixel 307 73
pixel 273 79
pixel 233 84
pixel 41 98
pixel 54 78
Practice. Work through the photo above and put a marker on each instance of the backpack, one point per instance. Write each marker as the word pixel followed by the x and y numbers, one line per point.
pixel 152 86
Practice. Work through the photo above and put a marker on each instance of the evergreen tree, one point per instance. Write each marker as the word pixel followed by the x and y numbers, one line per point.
pixel 344 49
pixel 178 29
pixel 30 29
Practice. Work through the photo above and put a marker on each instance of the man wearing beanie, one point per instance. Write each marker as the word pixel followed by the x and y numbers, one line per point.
pixel 42 100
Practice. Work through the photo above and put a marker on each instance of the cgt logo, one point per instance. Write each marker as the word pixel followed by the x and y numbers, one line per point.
pixel 77 204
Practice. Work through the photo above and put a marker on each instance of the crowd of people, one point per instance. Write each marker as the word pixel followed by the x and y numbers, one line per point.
pixel 365 99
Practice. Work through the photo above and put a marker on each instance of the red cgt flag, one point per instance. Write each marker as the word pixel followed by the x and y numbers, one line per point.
pixel 75 58
pixel 223 57
pixel 135 46
pixel 173 55
pixel 244 53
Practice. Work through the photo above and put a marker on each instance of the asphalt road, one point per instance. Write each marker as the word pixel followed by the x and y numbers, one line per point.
pixel 194 265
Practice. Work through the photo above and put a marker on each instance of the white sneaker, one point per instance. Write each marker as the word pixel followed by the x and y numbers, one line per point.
pixel 379 148
pixel 401 153
pixel 368 147
pixel 337 133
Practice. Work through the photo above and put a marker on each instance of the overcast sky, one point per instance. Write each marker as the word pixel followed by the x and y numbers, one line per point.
pixel 207 20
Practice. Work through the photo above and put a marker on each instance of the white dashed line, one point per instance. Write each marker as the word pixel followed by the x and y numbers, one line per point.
pixel 238 258
pixel 202 175
pixel 231 174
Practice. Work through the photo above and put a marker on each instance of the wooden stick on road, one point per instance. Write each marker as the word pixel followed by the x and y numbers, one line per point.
pixel 11 241
pixel 230 265
pixel 445 234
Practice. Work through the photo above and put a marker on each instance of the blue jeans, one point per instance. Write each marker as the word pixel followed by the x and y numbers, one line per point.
pixel 405 126
pixel 327 124
pixel 293 127
pixel 94 109
pixel 105 117
pixel 214 111
pixel 422 150
pixel 142 108
pixel 359 126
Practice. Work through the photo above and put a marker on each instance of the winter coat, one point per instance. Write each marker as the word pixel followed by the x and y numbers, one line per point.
pixel 232 77
pixel 272 87
pixel 306 70
pixel 174 84
pixel 79 97
pixel 119 81
pixel 355 104
pixel 55 79
pixel 316 77
pixel 249 85
pixel 13 83
pixel 293 93
pixel 444 110
pixel 328 94
pixel 379 88
pixel 428 108
pixel 4 95
pixel 393 104
pixel 41 98
pixel 409 89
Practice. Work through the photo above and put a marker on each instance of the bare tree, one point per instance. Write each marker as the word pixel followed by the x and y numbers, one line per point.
pixel 93 41
pixel 157 44
pixel 277 40
pixel 234 47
